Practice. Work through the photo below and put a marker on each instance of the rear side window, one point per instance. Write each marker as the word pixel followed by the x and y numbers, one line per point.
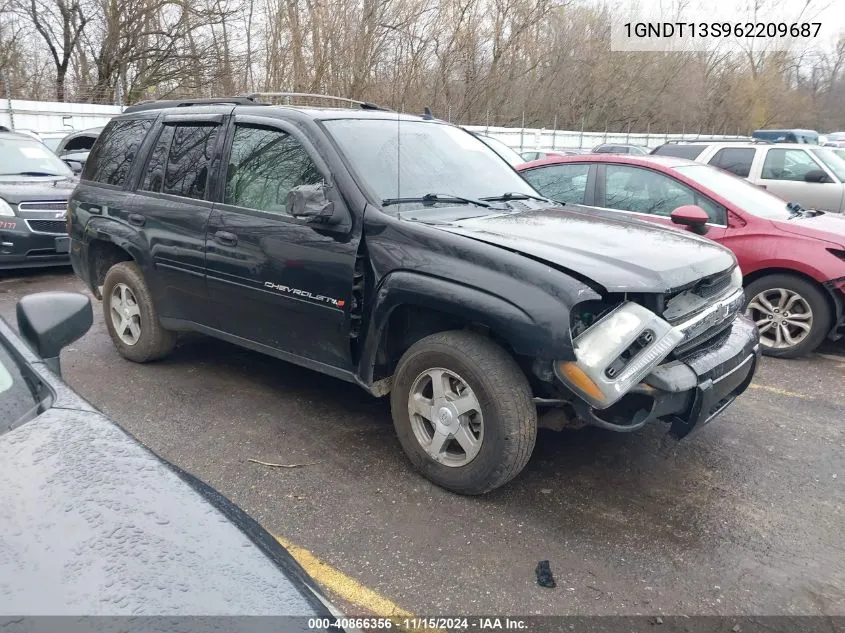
pixel 180 160
pixel 690 152
pixel 112 156
pixel 191 151
pixel 736 160
pixel 561 183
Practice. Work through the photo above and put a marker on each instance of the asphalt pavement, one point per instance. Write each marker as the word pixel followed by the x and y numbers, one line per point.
pixel 747 517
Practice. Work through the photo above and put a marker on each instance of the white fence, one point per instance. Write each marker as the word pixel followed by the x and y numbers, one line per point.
pixel 47 116
pixel 529 139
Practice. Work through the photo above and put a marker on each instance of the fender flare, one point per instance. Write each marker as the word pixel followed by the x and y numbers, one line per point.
pixel 524 333
pixel 104 229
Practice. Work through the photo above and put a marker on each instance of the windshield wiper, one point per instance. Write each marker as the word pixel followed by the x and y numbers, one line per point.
pixel 795 210
pixel 431 198
pixel 517 196
pixel 32 173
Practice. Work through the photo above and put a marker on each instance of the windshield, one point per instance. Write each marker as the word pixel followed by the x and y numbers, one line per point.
pixel 23 156
pixel 52 143
pixel 429 157
pixel 739 191
pixel 832 161
pixel 503 150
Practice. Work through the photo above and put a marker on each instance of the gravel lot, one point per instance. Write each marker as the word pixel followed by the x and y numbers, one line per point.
pixel 745 518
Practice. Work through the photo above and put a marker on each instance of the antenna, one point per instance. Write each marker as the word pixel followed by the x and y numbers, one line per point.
pixel 398 152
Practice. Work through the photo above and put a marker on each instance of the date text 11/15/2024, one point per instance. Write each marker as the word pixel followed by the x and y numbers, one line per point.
pixel 420 624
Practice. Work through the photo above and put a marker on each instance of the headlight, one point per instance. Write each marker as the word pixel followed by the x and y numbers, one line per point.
pixel 617 353
pixel 736 277
pixel 5 209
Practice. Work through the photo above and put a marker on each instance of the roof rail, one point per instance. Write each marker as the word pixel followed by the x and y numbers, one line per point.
pixel 364 105
pixel 184 103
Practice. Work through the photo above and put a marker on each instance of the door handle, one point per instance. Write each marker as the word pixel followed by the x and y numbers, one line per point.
pixel 137 219
pixel 225 238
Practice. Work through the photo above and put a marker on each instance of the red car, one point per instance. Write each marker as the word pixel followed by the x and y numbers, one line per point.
pixel 793 260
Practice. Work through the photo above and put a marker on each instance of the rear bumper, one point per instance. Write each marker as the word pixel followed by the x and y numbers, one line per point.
pixel 21 247
pixel 690 391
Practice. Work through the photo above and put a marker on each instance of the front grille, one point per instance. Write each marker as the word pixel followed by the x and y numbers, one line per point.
pixel 47 226
pixel 43 205
pixel 685 303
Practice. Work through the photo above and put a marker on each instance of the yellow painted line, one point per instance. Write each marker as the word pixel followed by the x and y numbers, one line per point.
pixel 347 588
pixel 781 392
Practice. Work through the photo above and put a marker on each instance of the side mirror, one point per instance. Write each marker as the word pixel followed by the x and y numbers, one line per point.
pixel 75 165
pixel 816 175
pixel 692 216
pixel 311 202
pixel 50 321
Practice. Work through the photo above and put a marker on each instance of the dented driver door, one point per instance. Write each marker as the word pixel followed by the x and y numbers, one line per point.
pixel 277 281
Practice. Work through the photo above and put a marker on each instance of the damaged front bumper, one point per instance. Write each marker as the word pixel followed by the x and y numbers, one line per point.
pixel 689 391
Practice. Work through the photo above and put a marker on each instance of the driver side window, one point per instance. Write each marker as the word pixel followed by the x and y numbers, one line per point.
pixel 787 164
pixel 264 165
pixel 646 191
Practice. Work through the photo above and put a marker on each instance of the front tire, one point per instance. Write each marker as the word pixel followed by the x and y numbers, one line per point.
pixel 792 315
pixel 463 412
pixel 131 317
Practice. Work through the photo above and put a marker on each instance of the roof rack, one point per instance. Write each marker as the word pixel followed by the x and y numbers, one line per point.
pixel 364 105
pixel 717 139
pixel 184 103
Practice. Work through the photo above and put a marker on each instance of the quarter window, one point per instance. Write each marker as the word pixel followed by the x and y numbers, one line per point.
pixel 265 164
pixel 114 151
pixel 788 164
pixel 736 160
pixel 562 183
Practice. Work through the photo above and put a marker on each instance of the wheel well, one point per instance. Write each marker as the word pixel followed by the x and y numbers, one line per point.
pixel 103 255
pixel 765 272
pixel 408 324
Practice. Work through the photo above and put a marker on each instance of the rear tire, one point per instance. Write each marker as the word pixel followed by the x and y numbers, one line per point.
pixel 792 314
pixel 131 317
pixel 486 418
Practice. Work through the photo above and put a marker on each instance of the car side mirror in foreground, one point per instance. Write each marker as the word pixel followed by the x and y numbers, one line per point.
pixel 50 321
pixel 691 216
pixel 816 175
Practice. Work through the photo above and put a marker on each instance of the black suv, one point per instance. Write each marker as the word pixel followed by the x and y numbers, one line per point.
pixel 404 255
pixel 34 188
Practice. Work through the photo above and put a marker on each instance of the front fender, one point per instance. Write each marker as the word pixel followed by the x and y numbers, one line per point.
pixel 526 334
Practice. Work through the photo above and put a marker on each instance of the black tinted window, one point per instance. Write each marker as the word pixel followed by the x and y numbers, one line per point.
pixel 264 166
pixel 188 161
pixel 736 160
pixel 115 150
pixel 690 152
pixel 154 172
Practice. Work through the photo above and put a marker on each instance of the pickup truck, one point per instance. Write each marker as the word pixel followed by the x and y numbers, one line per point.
pixel 403 254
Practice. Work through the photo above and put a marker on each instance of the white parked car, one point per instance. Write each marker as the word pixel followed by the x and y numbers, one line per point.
pixel 811 175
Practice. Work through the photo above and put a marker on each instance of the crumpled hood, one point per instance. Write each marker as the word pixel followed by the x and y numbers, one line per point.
pixel 829 227
pixel 620 254
pixel 15 191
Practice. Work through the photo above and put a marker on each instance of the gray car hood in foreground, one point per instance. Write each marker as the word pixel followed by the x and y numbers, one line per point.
pixel 620 254
pixel 95 524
